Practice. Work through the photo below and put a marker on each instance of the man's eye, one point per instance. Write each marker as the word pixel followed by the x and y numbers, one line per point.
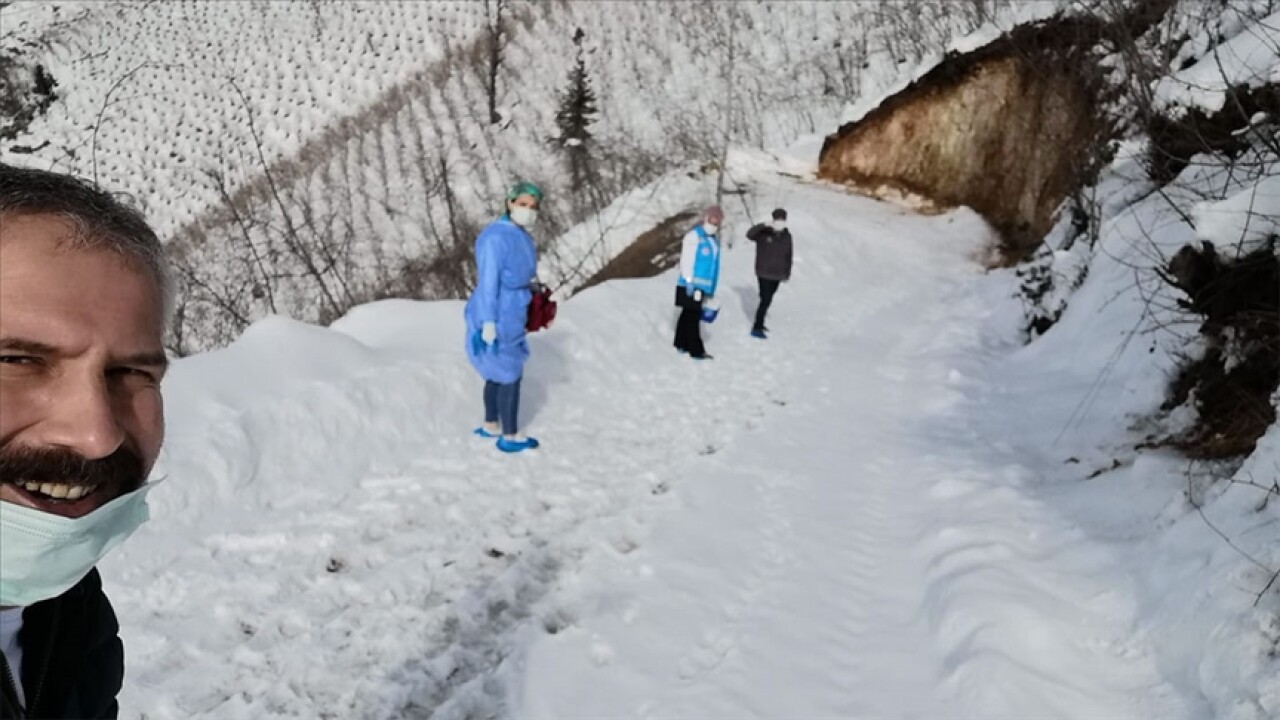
pixel 135 375
pixel 13 367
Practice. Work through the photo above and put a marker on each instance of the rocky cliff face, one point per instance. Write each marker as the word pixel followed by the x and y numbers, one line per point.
pixel 1007 130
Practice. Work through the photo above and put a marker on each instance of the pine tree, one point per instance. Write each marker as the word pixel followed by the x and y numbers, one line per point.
pixel 574 118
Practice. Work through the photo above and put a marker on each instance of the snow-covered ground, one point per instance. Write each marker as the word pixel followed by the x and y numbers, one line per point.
pixel 882 511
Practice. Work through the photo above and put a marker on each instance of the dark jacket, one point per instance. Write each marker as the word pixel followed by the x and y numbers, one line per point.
pixel 72 657
pixel 773 252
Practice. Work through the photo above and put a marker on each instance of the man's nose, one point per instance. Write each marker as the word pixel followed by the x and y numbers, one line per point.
pixel 83 418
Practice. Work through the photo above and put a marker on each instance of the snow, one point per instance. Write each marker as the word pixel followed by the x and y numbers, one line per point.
pixel 1244 221
pixel 913 533
pixel 585 249
pixel 137 76
pixel 1250 59
pixel 891 508
pixel 883 510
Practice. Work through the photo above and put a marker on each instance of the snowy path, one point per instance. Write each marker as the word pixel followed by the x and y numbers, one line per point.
pixel 863 552
pixel 807 527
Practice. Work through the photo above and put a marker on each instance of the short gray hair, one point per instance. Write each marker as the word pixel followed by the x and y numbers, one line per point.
pixel 101 219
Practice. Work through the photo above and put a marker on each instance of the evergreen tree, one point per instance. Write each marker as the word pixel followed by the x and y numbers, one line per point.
pixel 574 118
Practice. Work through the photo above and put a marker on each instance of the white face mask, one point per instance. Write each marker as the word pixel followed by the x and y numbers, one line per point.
pixel 710 228
pixel 524 216
pixel 44 555
pixel 779 225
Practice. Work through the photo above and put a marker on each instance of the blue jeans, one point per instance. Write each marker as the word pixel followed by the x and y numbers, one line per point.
pixel 502 403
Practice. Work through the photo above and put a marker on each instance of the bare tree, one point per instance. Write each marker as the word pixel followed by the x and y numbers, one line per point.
pixel 495 44
pixel 303 251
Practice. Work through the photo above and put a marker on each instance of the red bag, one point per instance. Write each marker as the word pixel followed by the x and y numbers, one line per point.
pixel 542 311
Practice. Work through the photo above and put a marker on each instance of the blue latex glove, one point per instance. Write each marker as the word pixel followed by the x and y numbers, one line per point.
pixel 479 346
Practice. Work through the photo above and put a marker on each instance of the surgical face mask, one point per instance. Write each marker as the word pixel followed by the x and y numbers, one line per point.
pixel 710 228
pixel 779 225
pixel 43 555
pixel 524 216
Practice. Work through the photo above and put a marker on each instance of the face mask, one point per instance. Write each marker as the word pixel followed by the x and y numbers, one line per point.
pixel 710 228
pixel 779 225
pixel 44 555
pixel 524 216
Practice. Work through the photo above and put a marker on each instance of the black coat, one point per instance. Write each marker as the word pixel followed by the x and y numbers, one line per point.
pixel 72 657
pixel 773 252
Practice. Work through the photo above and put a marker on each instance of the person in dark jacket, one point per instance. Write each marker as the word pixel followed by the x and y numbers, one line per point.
pixel 84 294
pixel 73 664
pixel 773 263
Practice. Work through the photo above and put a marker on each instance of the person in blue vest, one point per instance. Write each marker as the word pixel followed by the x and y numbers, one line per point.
pixel 699 277
pixel 497 312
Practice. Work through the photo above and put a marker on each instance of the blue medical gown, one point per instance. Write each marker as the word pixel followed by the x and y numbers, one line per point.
pixel 506 266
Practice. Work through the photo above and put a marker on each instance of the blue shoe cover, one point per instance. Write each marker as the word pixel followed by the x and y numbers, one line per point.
pixel 515 446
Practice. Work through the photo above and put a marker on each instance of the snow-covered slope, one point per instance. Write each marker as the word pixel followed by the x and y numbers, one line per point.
pixel 147 99
pixel 880 510
pixel 374 124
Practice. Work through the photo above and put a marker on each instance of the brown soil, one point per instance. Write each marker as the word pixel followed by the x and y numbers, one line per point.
pixel 1008 139
pixel 653 253
pixel 1010 129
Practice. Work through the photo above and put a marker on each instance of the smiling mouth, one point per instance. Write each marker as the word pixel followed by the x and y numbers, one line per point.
pixel 59 491
pixel 69 500
pixel 61 482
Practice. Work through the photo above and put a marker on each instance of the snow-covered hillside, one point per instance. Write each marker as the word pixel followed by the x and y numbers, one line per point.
pixel 146 90
pixel 374 125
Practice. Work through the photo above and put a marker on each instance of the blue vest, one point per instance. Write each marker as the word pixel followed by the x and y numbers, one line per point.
pixel 706 268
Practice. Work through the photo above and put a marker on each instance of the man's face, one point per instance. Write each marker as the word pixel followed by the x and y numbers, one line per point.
pixel 81 358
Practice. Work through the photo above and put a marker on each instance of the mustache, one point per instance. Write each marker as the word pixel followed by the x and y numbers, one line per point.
pixel 123 468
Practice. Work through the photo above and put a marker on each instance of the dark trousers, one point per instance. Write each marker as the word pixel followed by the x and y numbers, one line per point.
pixel 767 290
pixel 502 403
pixel 689 326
